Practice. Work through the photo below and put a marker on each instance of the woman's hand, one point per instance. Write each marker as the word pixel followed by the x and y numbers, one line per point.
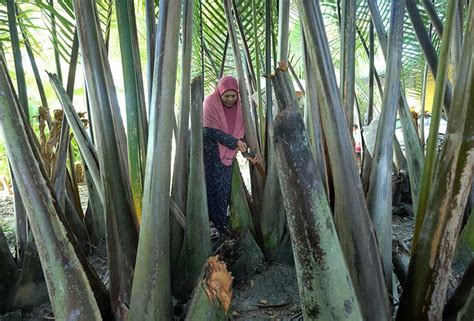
pixel 254 160
pixel 241 146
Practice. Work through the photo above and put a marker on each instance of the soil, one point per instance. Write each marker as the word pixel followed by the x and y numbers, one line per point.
pixel 270 293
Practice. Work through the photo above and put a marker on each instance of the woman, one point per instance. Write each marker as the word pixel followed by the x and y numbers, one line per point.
pixel 223 135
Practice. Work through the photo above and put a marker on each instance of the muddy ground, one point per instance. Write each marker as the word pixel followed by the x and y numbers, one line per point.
pixel 272 293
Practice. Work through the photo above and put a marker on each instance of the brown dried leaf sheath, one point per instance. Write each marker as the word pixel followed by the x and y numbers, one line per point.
pixel 218 282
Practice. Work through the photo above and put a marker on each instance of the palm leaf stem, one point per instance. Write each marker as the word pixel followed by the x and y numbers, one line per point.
pixel 319 261
pixel 461 294
pixel 197 243
pixel 134 98
pixel 431 148
pixel 224 56
pixel 57 59
pixel 21 230
pixel 424 294
pixel 150 21
pixel 362 257
pixel 248 57
pixel 261 109
pixel 69 289
pixel 120 214
pixel 379 198
pixel 36 73
pixel 348 33
pixel 414 155
pixel 283 29
pixel 152 300
pixel 179 189
pixel 427 48
pixel 434 18
pixel 268 82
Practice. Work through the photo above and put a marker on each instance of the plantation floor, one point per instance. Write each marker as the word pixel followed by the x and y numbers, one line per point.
pixel 272 293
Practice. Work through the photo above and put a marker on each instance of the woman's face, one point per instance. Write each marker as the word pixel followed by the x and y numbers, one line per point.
pixel 229 98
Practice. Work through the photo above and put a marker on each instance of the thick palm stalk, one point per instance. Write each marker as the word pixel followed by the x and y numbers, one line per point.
pixel 8 270
pixel 261 109
pixel 348 24
pixel 247 57
pixel 379 198
pixel 197 244
pixel 36 73
pixel 424 294
pixel 272 217
pixel 313 117
pixel 54 32
pixel 414 154
pixel 324 284
pixel 434 19
pixel 423 103
pixel 152 300
pixel 367 158
pixel 65 147
pixel 134 98
pixel 69 290
pixel 32 274
pixel 21 229
pixel 150 45
pixel 240 213
pixel 352 216
pixel 120 214
pixel 213 293
pixel 283 28
pixel 181 164
pixel 464 252
pixel 466 313
pixel 456 41
pixel 268 71
pixel 431 147
pixel 461 295
pixel 86 147
pixel 427 47
pixel 20 75
pixel 250 130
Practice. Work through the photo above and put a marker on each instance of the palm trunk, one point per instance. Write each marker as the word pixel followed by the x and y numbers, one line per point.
pixel 348 58
pixel 8 270
pixel 464 252
pixel 69 289
pixel 351 214
pixel 414 153
pixel 135 99
pixel 283 29
pixel 425 290
pixel 197 244
pixel 325 289
pixel 461 295
pixel 120 214
pixel 427 47
pixel 431 150
pixel 240 213
pixel 21 229
pixel 379 198
pixel 152 300
pixel 181 165
pixel 150 46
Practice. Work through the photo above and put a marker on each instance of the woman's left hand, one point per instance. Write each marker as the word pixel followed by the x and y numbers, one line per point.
pixel 254 160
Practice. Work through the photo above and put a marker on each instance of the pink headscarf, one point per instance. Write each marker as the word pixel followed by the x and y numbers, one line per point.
pixel 217 115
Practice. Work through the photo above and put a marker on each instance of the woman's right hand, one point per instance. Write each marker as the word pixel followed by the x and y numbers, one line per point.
pixel 241 146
